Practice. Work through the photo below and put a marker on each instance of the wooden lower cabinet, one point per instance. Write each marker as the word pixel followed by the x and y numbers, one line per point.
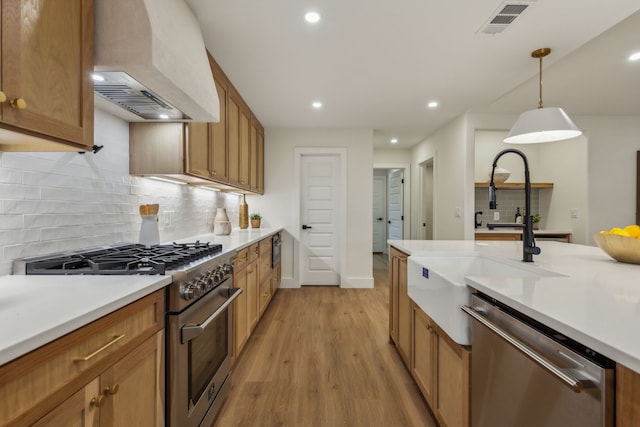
pixel 627 397
pixel 399 307
pixel 441 368
pixel 251 272
pixel 107 373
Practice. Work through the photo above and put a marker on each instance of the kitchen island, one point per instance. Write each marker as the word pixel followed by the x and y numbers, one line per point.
pixel 595 300
pixel 591 298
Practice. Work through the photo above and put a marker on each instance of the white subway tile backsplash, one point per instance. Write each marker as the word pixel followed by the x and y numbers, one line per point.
pixel 52 202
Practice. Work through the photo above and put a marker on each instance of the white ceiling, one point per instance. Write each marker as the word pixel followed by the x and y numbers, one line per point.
pixel 376 63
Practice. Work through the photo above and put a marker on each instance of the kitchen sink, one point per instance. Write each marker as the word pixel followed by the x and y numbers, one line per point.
pixel 437 284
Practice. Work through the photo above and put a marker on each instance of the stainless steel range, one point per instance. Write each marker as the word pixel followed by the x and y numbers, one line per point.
pixel 199 314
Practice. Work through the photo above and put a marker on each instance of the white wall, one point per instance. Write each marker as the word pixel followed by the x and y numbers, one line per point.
pixel 449 150
pixel 51 202
pixel 278 208
pixel 613 143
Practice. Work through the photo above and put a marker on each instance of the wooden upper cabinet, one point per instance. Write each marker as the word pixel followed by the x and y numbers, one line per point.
pixel 198 149
pixel 256 154
pixel 233 145
pixel 245 148
pixel 218 144
pixel 46 62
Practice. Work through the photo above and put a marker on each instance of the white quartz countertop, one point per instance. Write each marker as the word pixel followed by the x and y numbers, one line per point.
pixel 596 301
pixel 35 310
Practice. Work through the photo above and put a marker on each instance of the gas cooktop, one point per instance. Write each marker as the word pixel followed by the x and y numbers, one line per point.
pixel 120 259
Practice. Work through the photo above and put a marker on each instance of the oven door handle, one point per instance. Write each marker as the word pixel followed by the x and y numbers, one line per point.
pixel 189 332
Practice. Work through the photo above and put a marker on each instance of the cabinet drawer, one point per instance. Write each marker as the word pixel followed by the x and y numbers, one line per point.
pixel 50 374
pixel 265 246
pixel 241 260
pixel 254 252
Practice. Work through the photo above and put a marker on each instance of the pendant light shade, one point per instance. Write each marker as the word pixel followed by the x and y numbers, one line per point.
pixel 542 124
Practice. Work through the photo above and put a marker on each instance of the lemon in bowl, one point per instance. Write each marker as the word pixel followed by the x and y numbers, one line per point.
pixel 621 244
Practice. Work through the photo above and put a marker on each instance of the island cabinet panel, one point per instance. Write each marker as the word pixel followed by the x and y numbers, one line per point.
pixel 442 369
pixel 424 354
pixel 627 397
pixel 57 380
pixel 46 60
pixel 399 307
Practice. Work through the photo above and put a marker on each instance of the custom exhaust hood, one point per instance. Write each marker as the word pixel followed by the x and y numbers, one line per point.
pixel 150 60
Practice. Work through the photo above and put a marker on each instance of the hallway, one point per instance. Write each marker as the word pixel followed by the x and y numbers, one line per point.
pixel 321 357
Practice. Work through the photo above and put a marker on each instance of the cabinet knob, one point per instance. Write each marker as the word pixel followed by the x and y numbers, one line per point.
pixel 214 173
pixel 97 401
pixel 18 103
pixel 112 390
pixel 3 97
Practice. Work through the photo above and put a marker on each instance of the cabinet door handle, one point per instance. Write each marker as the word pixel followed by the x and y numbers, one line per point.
pixel 3 97
pixel 101 349
pixel 98 401
pixel 112 390
pixel 18 103
pixel 214 173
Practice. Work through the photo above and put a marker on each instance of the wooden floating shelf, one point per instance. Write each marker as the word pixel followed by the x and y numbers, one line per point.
pixel 515 185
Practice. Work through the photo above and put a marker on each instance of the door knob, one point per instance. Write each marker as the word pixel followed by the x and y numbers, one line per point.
pixel 389 221
pixel 379 219
pixel 304 226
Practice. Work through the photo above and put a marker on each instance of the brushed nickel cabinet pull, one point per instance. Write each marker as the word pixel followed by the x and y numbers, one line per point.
pixel 101 349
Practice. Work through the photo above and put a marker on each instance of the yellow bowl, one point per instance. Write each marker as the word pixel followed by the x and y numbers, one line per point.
pixel 621 248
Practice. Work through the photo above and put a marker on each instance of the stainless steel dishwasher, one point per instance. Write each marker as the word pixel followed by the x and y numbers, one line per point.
pixel 524 374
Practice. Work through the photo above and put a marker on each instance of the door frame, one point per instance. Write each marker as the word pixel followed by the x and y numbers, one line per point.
pixel 431 163
pixel 384 178
pixel 341 208
pixel 406 232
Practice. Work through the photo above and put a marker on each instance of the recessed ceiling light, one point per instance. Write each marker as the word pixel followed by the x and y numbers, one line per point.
pixel 317 105
pixel 394 140
pixel 432 104
pixel 97 77
pixel 634 56
pixel 164 116
pixel 312 17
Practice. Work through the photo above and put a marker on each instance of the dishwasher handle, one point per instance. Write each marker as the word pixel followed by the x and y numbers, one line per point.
pixel 574 384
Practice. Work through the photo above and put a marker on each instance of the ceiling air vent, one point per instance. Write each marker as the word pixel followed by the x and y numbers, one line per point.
pixel 504 16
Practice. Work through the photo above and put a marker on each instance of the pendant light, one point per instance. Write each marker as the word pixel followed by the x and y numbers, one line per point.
pixel 542 124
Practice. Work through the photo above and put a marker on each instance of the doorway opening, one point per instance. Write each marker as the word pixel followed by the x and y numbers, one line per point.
pixel 391 204
pixel 427 217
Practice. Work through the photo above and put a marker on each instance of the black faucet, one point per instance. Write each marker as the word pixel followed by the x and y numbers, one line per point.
pixel 478 223
pixel 529 248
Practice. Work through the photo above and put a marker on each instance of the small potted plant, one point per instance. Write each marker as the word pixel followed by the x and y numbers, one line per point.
pixel 535 219
pixel 255 220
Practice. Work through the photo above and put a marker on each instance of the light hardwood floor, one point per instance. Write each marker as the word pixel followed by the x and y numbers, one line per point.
pixel 321 357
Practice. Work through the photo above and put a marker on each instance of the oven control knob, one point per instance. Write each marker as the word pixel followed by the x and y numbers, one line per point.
pixel 227 268
pixel 191 291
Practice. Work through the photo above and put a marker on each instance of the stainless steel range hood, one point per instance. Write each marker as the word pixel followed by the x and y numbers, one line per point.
pixel 152 58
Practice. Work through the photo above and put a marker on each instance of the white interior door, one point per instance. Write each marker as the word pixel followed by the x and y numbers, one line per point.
pixel 319 251
pixel 379 213
pixel 396 205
